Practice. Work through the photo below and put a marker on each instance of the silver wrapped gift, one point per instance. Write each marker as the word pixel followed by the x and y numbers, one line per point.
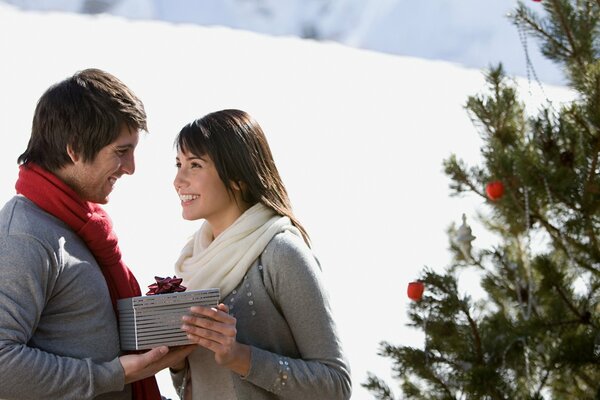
pixel 151 321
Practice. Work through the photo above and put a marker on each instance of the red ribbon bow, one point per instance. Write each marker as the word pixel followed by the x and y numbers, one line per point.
pixel 166 285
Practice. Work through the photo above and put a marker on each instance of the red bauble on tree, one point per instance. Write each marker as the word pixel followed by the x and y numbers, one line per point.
pixel 415 290
pixel 494 190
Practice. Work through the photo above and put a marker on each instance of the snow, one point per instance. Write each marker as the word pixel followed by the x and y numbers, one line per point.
pixel 358 136
pixel 472 33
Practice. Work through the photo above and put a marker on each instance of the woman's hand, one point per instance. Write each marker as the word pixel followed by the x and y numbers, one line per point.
pixel 214 329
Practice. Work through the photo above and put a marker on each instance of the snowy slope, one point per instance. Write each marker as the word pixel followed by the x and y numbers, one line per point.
pixel 472 33
pixel 358 136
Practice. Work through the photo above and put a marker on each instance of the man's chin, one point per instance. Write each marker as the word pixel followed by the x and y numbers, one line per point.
pixel 102 200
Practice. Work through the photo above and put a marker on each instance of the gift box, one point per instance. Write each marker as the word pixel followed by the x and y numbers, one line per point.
pixel 150 321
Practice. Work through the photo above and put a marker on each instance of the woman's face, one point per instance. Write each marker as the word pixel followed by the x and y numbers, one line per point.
pixel 203 194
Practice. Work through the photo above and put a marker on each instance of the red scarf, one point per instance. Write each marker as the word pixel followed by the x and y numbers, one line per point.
pixel 94 227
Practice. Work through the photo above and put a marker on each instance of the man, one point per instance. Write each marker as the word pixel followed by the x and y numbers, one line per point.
pixel 60 263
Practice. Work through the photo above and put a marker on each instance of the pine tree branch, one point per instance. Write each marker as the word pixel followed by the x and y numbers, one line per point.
pixel 554 232
pixel 378 386
pixel 433 377
pixel 438 358
pixel 559 239
pixel 475 332
pixel 582 318
pixel 566 29
pixel 570 305
pixel 585 378
pixel 543 380
pixel 587 192
pixel 589 180
pixel 533 26
pixel 563 323
pixel 592 172
pixel 498 280
pixel 586 196
pixel 471 187
pixel 443 384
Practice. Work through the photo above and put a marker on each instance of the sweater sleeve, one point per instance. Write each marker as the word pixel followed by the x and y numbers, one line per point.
pixel 293 278
pixel 28 271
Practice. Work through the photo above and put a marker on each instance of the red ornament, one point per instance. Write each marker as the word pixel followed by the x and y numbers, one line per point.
pixel 415 290
pixel 537 1
pixel 494 190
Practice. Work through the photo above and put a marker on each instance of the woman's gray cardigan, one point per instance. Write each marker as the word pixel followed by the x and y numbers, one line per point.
pixel 283 313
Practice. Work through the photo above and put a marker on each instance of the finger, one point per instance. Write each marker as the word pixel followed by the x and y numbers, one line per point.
pixel 183 348
pixel 176 355
pixel 154 355
pixel 198 332
pixel 213 313
pixel 227 328
pixel 215 347
pixel 223 307
pixel 217 313
pixel 182 351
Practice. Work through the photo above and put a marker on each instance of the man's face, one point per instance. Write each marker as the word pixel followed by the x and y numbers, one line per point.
pixel 94 181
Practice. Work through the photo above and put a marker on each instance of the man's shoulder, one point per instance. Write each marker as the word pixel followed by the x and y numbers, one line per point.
pixel 20 216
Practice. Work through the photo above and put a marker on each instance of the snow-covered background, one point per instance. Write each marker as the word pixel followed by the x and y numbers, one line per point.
pixel 359 136
pixel 472 33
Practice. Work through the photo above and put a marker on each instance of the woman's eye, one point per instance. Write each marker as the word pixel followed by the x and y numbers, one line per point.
pixel 196 165
pixel 178 165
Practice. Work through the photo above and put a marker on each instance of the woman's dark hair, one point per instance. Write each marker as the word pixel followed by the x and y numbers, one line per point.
pixel 237 145
pixel 86 111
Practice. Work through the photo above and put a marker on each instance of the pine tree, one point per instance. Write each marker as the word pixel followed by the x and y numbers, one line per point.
pixel 535 334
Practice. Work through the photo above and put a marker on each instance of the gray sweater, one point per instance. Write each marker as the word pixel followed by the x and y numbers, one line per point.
pixel 58 331
pixel 283 313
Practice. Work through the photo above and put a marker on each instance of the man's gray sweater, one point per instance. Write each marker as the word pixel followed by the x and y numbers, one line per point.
pixel 58 331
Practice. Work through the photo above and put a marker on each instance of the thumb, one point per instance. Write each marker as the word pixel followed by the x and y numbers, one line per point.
pixel 154 355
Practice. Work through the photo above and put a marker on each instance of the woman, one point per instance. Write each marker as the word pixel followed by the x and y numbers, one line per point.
pixel 273 337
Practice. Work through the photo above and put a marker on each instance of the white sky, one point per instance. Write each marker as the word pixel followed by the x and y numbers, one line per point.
pixel 359 138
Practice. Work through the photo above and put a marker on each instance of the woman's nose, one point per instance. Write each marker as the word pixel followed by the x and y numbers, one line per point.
pixel 179 181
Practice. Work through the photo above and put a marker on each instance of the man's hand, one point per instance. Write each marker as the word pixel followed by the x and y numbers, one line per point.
pixel 140 366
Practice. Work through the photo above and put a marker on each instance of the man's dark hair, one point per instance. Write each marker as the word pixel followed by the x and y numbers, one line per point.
pixel 86 112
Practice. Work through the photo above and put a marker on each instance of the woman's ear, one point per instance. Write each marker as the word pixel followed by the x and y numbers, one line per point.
pixel 241 190
pixel 239 186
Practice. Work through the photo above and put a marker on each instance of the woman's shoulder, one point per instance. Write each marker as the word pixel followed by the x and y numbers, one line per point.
pixel 286 244
pixel 288 251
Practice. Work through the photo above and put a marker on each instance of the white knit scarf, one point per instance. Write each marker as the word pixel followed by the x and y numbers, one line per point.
pixel 223 262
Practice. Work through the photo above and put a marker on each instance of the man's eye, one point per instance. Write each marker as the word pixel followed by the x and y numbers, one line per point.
pixel 178 165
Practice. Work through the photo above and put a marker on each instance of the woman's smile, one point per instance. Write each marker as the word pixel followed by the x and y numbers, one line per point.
pixel 187 198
